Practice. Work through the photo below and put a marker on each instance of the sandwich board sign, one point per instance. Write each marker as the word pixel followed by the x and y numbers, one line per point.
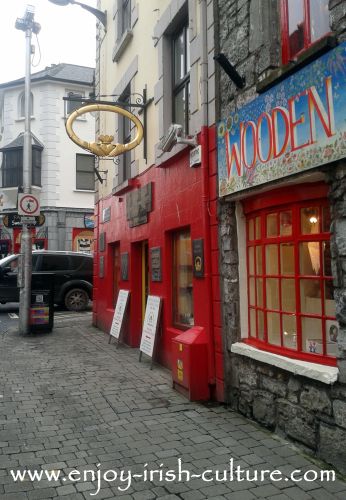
pixel 150 326
pixel 119 315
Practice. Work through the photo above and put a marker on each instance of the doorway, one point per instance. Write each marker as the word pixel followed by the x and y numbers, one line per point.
pixel 145 276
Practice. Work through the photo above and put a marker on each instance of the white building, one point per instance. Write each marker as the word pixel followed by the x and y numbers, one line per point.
pixel 62 174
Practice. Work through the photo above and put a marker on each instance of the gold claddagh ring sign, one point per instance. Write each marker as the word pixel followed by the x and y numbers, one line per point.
pixel 104 146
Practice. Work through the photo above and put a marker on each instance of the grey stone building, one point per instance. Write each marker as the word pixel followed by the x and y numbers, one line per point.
pixel 282 211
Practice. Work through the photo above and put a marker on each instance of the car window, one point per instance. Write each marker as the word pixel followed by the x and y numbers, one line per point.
pixel 55 263
pixel 81 262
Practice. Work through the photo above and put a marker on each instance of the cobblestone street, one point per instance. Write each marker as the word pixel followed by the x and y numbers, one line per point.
pixel 69 401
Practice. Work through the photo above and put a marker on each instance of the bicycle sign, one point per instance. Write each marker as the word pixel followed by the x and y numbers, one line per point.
pixel 28 204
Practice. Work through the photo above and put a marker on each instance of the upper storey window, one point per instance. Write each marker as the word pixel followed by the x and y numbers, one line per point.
pixel 303 22
pixel 125 16
pixel 181 78
pixel 21 109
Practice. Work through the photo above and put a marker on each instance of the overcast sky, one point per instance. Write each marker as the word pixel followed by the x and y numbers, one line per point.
pixel 67 36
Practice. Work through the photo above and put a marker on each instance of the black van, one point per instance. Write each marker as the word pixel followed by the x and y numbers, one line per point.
pixel 73 277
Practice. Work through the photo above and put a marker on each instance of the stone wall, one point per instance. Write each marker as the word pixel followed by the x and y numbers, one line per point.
pixel 310 413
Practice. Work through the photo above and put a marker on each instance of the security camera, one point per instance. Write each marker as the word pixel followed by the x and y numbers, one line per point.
pixel 170 139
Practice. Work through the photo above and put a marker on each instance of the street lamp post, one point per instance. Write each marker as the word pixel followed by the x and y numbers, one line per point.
pixel 29 26
pixel 101 16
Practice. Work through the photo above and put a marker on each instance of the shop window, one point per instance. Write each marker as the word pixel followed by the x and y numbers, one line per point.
pixel 290 285
pixel 303 22
pixel 181 78
pixel 85 172
pixel 182 280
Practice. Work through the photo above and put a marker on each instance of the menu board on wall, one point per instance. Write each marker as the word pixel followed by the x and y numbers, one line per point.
pixel 119 314
pixel 150 325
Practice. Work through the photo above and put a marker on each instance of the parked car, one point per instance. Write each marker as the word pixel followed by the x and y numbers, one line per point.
pixel 73 277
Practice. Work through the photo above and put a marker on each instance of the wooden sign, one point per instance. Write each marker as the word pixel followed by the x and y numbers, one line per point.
pixel 150 325
pixel 119 314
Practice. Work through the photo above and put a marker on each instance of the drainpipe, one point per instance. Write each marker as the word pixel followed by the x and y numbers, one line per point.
pixel 205 193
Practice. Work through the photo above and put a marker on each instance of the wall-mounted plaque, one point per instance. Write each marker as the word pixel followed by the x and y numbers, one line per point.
pixel 102 242
pixel 124 265
pixel 156 264
pixel 106 214
pixel 138 205
pixel 102 267
pixel 198 258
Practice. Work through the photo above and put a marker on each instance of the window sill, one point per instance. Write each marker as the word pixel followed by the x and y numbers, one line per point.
pixel 84 191
pixel 22 119
pixel 273 77
pixel 121 45
pixel 321 373
pixel 124 187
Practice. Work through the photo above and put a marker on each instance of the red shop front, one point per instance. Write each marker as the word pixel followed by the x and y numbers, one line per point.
pixel 158 236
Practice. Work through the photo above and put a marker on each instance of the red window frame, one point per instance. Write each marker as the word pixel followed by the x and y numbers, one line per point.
pixel 284 16
pixel 280 201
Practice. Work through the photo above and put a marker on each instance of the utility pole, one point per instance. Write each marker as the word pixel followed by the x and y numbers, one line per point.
pixel 29 26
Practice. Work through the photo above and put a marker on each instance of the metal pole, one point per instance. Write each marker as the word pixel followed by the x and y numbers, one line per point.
pixel 25 270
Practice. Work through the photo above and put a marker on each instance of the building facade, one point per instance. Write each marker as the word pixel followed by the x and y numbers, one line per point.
pixel 156 225
pixel 62 174
pixel 281 173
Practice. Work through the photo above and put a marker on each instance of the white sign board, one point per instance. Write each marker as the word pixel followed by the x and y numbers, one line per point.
pixel 119 313
pixel 150 325
pixel 28 205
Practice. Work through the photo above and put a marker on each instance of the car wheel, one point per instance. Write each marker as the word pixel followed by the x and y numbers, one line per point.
pixel 76 299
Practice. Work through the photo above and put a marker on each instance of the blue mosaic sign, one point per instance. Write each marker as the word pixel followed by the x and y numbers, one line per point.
pixel 297 125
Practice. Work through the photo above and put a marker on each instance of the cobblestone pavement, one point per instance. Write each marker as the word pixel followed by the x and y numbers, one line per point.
pixel 70 401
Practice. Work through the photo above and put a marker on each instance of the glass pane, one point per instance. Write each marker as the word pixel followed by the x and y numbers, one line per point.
pixel 251 260
pixel 312 335
pixel 329 302
pixel 272 293
pixel 327 259
pixel 319 19
pixel 179 61
pixel 272 225
pixel 286 223
pixel 289 327
pixel 332 334
pixel 273 323
pixel 260 320
pixel 182 283
pixel 288 295
pixel 179 107
pixel 272 259
pixel 258 228
pixel 295 26
pixel 251 229
pixel 253 322
pixel 259 291
pixel 310 220
pixel 326 219
pixel 287 258
pixel 259 268
pixel 252 291
pixel 310 297
pixel 309 256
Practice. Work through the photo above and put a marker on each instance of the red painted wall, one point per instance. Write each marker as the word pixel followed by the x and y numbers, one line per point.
pixel 181 197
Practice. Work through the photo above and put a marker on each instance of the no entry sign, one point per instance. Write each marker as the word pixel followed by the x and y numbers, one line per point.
pixel 28 204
